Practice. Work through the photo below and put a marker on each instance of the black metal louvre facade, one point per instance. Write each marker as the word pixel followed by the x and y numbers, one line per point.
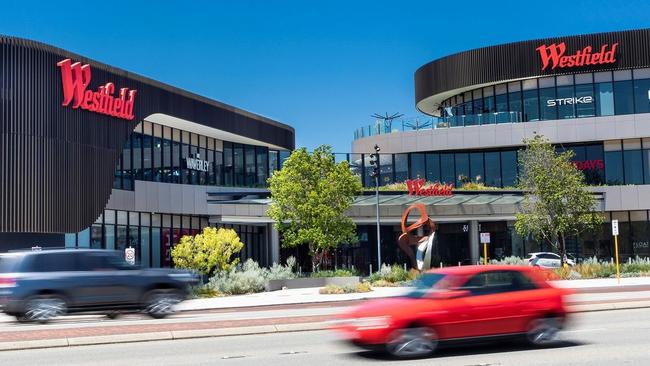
pixel 521 60
pixel 57 163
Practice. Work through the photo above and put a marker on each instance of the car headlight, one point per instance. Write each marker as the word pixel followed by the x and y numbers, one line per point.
pixel 375 322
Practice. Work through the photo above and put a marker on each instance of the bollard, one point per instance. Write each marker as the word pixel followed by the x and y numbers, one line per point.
pixel 370 268
pixel 458 264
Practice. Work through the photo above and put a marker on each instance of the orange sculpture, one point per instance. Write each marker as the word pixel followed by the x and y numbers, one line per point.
pixel 421 259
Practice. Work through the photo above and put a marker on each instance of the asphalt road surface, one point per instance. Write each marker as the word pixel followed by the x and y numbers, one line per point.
pixel 608 338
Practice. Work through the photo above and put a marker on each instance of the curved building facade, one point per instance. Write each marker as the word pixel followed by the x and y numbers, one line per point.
pixel 91 155
pixel 587 93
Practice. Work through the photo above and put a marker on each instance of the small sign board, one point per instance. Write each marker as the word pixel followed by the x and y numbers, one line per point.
pixel 485 238
pixel 129 255
pixel 614 227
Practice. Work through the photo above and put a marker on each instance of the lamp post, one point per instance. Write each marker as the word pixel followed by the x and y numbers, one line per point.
pixel 374 161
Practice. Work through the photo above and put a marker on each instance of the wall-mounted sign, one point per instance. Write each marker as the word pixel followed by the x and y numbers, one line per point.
pixel 554 55
pixel 416 187
pixel 589 164
pixel 570 101
pixel 129 255
pixel 75 78
pixel 194 162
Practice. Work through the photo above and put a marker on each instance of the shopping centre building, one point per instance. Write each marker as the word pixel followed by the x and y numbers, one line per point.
pixel 586 93
pixel 92 156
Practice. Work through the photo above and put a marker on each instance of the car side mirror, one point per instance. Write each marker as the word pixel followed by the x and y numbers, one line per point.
pixel 448 295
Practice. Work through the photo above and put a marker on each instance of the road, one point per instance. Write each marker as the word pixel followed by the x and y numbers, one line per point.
pixel 595 338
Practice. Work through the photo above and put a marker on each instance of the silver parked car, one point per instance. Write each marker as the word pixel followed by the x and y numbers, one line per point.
pixel 548 260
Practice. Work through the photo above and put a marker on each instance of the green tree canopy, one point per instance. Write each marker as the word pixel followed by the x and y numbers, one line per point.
pixel 210 251
pixel 309 198
pixel 557 202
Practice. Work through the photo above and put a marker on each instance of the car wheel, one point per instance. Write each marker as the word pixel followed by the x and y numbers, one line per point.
pixel 113 315
pixel 543 331
pixel 161 303
pixel 43 308
pixel 412 342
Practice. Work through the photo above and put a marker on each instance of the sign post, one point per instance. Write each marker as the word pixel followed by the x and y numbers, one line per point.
pixel 129 255
pixel 615 233
pixel 485 239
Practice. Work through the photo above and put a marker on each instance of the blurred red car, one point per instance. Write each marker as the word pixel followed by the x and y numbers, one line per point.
pixel 459 303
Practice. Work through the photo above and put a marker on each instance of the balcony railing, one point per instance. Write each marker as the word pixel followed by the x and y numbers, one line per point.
pixel 428 123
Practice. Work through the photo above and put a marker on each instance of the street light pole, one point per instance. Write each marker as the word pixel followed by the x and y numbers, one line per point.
pixel 374 161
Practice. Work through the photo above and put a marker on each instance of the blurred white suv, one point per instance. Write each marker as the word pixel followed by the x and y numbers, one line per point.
pixel 548 260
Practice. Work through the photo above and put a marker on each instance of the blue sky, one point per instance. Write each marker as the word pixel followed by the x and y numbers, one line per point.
pixel 322 67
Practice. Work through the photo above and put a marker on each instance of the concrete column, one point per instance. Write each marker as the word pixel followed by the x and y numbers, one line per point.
pixel 474 245
pixel 274 244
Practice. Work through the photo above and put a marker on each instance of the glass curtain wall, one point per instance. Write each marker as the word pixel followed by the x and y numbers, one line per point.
pixel 159 153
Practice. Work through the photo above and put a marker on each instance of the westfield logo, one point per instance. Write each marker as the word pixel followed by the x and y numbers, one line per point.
pixel 554 55
pixel 75 78
pixel 416 188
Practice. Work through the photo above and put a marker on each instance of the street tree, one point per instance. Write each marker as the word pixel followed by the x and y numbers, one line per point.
pixel 557 202
pixel 309 197
pixel 211 251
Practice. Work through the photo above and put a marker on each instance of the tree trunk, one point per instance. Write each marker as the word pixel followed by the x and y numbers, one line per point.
pixel 562 249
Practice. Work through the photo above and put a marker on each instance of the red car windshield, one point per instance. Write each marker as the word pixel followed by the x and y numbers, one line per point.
pixel 427 282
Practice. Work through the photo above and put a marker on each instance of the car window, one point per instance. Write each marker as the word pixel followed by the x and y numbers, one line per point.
pixel 427 282
pixel 9 263
pixel 52 262
pixel 96 261
pixel 550 256
pixel 493 282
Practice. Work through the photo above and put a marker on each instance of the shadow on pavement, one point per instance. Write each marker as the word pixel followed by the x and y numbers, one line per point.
pixel 471 349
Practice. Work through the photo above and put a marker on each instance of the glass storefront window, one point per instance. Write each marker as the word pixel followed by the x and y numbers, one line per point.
pixel 433 167
pixel 228 166
pixel 509 168
pixel 249 159
pixel 531 105
pixel 477 173
pixel 401 167
pixel 273 161
pixel 585 92
pixel 238 160
pixel 447 173
pixel 623 97
pixel 462 169
pixel 642 95
pixel 417 166
pixel 565 110
pixel 613 163
pixel 549 105
pixel 604 99
pixel 262 166
pixel 385 169
pixel 493 169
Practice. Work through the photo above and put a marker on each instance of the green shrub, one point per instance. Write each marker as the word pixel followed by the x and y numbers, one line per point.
pixel 511 261
pixel 250 277
pixel 280 272
pixel 394 274
pixel 338 290
pixel 202 291
pixel 335 273
pixel 384 283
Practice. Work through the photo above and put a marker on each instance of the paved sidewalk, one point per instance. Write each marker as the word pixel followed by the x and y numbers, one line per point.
pixel 311 295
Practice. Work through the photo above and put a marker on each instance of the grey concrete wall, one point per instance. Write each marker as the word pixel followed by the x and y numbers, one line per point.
pixel 624 198
pixel 509 134
pixel 168 198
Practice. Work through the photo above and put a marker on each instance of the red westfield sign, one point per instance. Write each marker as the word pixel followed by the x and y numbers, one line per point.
pixel 75 78
pixel 554 55
pixel 416 188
